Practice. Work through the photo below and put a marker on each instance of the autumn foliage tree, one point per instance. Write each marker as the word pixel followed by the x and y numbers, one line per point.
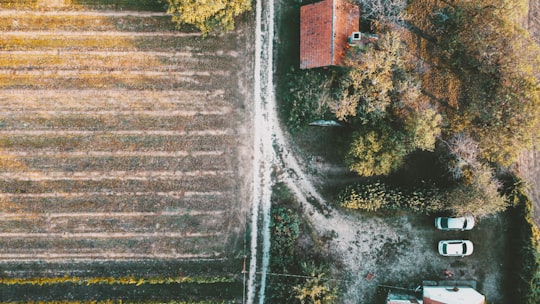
pixel 381 96
pixel 497 63
pixel 208 15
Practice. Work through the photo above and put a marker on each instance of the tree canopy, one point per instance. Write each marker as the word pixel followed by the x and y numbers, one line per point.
pixel 380 95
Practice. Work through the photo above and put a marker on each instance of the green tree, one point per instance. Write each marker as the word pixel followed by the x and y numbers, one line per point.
pixel 208 15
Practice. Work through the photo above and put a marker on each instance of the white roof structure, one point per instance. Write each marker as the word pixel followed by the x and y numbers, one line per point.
pixel 451 295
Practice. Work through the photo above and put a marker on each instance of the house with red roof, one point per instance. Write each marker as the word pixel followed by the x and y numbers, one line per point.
pixel 325 28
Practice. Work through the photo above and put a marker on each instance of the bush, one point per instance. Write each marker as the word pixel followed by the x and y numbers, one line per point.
pixel 285 228
pixel 525 274
pixel 375 196
pixel 305 97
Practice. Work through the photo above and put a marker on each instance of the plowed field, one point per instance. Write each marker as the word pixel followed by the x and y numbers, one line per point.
pixel 121 139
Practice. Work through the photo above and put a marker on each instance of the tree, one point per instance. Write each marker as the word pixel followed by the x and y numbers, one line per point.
pixel 384 10
pixel 377 151
pixel 208 15
pixel 316 289
pixel 480 196
pixel 497 64
pixel 423 127
pixel 370 83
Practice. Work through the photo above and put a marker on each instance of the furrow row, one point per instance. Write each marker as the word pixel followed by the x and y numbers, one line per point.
pixel 114 100
pixel 101 41
pixel 185 184
pixel 21 114
pixel 100 243
pixel 115 142
pixel 111 226
pixel 75 154
pixel 189 80
pixel 12 20
pixel 96 34
pixel 114 163
pixel 118 202
pixel 166 55
pixel 77 123
pixel 16 132
pixel 106 215
pixel 93 14
pixel 100 73
pixel 83 5
pixel 97 256
pixel 68 63
pixel 106 175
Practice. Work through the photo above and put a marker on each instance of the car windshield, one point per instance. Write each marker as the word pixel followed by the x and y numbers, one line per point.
pixel 465 223
pixel 464 248
pixel 445 251
pixel 444 222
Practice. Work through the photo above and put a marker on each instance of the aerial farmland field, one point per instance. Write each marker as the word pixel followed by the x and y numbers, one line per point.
pixel 123 154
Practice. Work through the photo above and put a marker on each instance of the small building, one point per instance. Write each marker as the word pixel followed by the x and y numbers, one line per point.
pixel 444 292
pixel 325 28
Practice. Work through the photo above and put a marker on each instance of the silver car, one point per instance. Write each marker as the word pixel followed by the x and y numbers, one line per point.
pixel 455 223
pixel 456 248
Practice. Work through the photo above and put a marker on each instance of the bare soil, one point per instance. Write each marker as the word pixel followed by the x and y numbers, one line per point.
pixel 120 139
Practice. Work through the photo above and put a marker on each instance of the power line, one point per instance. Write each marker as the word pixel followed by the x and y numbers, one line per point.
pixel 304 277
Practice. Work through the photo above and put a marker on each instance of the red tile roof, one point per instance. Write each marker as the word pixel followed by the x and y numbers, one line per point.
pixel 324 29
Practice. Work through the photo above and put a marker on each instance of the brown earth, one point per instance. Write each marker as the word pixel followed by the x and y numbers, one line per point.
pixel 121 139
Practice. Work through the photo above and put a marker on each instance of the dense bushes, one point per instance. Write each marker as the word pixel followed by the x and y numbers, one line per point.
pixel 525 244
pixel 305 97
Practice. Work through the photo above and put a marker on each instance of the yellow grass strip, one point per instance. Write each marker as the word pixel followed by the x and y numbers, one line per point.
pixel 114 281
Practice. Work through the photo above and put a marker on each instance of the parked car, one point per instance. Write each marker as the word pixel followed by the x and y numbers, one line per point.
pixel 455 223
pixel 456 248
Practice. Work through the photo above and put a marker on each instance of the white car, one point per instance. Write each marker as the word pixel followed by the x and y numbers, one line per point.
pixel 455 223
pixel 456 248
